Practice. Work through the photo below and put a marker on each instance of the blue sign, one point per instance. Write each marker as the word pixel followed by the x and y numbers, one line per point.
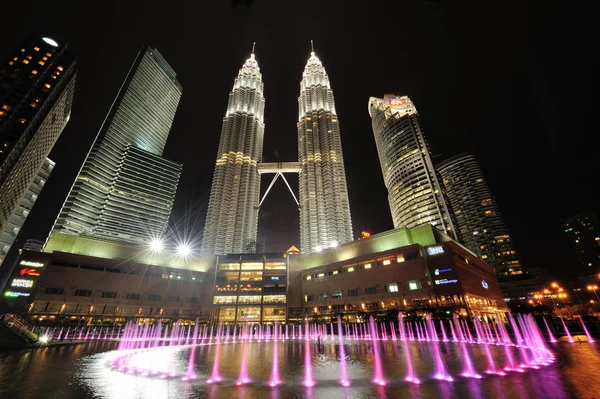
pixel 438 271
pixel 484 284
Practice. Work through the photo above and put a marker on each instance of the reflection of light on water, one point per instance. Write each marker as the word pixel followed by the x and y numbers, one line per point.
pixel 105 382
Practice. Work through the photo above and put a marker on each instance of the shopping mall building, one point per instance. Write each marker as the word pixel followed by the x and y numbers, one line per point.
pixel 417 270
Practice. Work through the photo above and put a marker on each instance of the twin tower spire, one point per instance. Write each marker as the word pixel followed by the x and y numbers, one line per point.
pixel 232 217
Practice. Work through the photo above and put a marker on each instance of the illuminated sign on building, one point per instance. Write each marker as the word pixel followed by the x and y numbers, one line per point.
pixel 14 294
pixel 29 272
pixel 484 284
pixel 435 250
pixel 446 281
pixel 396 101
pixel 22 283
pixel 31 264
pixel 438 271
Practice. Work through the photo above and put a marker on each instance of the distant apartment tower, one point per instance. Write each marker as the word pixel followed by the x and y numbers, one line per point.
pixel 37 83
pixel 583 233
pixel 325 219
pixel 125 189
pixel 415 192
pixel 478 218
pixel 232 216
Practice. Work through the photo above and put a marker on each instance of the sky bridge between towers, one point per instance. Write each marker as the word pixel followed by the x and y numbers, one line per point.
pixel 278 169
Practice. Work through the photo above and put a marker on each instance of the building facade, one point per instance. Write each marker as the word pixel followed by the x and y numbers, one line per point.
pixel 232 216
pixel 419 270
pixel 15 222
pixel 37 84
pixel 583 234
pixel 250 288
pixel 478 218
pixel 415 191
pixel 324 206
pixel 125 190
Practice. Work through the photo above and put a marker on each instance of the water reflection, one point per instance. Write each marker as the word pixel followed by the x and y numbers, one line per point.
pixel 83 371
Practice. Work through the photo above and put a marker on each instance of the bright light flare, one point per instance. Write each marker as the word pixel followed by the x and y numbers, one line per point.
pixel 157 245
pixel 44 339
pixel 184 250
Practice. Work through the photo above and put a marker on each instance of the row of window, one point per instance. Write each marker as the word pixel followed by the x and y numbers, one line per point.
pixel 391 287
pixel 113 295
pixel 364 266
pixel 249 299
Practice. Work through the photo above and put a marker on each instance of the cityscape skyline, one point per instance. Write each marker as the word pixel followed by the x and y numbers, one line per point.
pixel 365 202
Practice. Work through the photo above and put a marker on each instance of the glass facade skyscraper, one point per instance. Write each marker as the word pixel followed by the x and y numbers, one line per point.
pixel 325 220
pixel 232 216
pixel 125 189
pixel 478 218
pixel 37 84
pixel 415 192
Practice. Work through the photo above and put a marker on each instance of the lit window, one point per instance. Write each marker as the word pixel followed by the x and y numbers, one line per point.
pixel 22 121
pixel 350 269
pixel 48 54
pixel 29 57
pixel 33 104
pixel 5 107
pixel 44 58
pixel 25 61
pixel 321 275
pixel 33 72
pixel 10 63
pixel 414 285
pixel 368 266
pixel 335 271
pixel 59 68
pixel 309 277
pixel 47 85
pixel 22 50
pixel 400 258
pixel 16 59
pixel 392 287
pixel 1 113
pixel 53 76
pixel 42 63
pixel 386 262
pixel 336 294
pixel 36 48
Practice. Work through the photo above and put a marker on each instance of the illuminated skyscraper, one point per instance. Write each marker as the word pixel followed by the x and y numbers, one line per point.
pixel 324 208
pixel 478 219
pixel 125 189
pixel 583 234
pixel 37 84
pixel 232 216
pixel 415 192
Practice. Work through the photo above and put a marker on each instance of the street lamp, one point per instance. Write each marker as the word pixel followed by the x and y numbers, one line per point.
pixel 594 288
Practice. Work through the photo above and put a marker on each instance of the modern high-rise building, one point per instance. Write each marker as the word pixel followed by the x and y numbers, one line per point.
pixel 415 191
pixel 583 233
pixel 125 189
pixel 232 216
pixel 324 207
pixel 478 218
pixel 37 83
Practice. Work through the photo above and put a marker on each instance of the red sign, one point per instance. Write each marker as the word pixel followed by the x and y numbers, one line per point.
pixel 29 272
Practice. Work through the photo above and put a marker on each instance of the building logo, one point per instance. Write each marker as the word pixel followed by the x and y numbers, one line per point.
pixel 13 294
pixel 22 283
pixel 29 272
pixel 484 284
pixel 31 264
pixel 438 271
pixel 446 281
pixel 395 102
pixel 435 250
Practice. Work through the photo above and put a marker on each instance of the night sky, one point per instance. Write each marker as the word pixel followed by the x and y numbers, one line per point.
pixel 511 81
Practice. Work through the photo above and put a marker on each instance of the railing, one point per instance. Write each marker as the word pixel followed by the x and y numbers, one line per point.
pixel 20 327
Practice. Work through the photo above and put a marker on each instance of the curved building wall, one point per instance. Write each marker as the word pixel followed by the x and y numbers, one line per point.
pixel 324 207
pixel 415 193
pixel 477 215
pixel 232 216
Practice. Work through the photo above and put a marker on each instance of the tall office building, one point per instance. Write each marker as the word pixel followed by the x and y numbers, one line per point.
pixel 324 207
pixel 415 191
pixel 232 216
pixel 478 219
pixel 125 189
pixel 37 83
pixel 583 233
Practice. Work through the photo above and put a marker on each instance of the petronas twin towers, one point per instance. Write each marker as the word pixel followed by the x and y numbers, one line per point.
pixel 232 216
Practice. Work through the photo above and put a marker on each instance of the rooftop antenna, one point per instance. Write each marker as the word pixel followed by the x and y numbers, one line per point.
pixel 312 47
pixel 253 44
